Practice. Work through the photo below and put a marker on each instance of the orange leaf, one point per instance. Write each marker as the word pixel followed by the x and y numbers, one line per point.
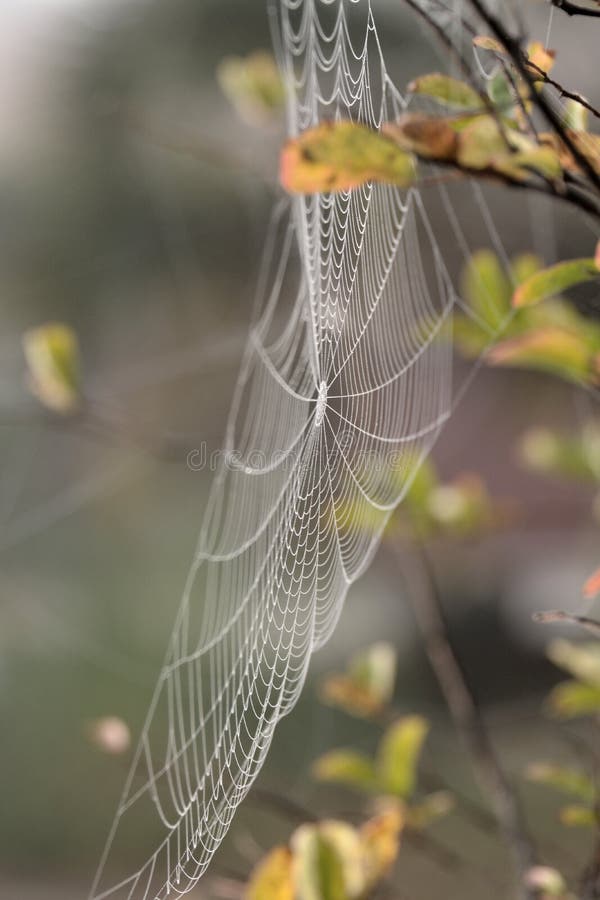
pixel 340 156
pixel 592 586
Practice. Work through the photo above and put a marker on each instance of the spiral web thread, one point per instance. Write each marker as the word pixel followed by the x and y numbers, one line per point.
pixel 338 400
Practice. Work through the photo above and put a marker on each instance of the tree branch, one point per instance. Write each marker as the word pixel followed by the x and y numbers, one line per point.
pixel 514 50
pixel 573 9
pixel 467 718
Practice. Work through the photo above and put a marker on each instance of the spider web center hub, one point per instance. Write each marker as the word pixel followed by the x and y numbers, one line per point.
pixel 321 404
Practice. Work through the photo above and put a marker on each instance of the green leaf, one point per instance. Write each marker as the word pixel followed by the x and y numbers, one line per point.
pixel 571 699
pixel 374 670
pixel 343 155
pixel 552 281
pixel 580 660
pixel 398 755
pixel 417 497
pixel 52 355
pixel 486 288
pixel 253 85
pixel 328 862
pixel 575 116
pixel 551 453
pixel 524 266
pixel 576 816
pixel 447 90
pixel 566 779
pixel 500 91
pixel 346 767
pixel 272 878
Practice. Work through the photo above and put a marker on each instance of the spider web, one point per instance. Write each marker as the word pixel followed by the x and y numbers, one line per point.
pixel 344 387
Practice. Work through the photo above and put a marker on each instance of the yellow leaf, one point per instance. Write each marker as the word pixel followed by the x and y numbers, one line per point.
pixel 575 816
pixel 485 42
pixel 572 699
pixel 272 879
pixel 446 90
pixel 550 349
pixel 52 355
pixel 540 57
pixel 368 684
pixel 343 155
pixel 346 767
pixel 253 86
pixel 381 842
pixel 481 144
pixel 562 778
pixel 580 660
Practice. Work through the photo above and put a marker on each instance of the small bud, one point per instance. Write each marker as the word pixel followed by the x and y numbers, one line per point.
pixel 110 734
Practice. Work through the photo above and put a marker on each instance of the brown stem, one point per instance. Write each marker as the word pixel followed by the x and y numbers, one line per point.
pixel 466 715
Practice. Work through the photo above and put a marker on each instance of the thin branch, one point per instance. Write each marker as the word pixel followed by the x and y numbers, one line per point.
pixel 570 95
pixel 283 806
pixel 567 193
pixel 467 718
pixel 448 43
pixel 574 9
pixel 548 617
pixel 514 50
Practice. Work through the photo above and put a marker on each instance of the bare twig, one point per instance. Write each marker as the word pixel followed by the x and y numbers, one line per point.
pixel 564 92
pixel 548 617
pixel 467 718
pixel 574 9
pixel 283 806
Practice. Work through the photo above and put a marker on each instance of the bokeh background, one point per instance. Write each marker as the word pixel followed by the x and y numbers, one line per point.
pixel 133 205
